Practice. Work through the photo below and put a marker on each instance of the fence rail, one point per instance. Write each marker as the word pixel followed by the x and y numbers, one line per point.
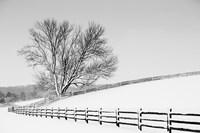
pixel 118 117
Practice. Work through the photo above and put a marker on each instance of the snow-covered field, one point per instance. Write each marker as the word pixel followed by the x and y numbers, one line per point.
pixel 13 123
pixel 22 103
pixel 181 94
pixel 169 93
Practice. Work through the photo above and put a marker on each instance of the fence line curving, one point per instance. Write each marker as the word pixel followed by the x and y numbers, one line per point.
pixel 140 118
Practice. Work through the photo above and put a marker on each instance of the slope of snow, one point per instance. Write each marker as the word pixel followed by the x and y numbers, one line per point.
pixel 23 103
pixel 180 93
pixel 169 93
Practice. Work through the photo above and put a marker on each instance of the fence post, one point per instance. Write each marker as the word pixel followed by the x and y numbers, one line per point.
pixel 40 112
pixel 75 114
pixel 86 115
pixel 29 111
pixel 66 113
pixel 22 110
pixel 52 112
pixel 15 110
pixel 25 110
pixel 117 117
pixel 33 111
pixel 36 112
pixel 140 119
pixel 169 123
pixel 46 112
pixel 100 116
pixel 58 113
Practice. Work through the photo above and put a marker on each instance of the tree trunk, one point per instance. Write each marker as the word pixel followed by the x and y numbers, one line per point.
pixel 57 92
pixel 65 88
pixel 56 86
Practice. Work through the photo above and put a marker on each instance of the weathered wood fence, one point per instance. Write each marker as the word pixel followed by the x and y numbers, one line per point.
pixel 140 118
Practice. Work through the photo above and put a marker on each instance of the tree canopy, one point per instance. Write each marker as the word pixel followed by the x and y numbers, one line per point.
pixel 69 54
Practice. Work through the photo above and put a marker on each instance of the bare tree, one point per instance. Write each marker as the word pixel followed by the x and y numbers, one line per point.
pixel 69 54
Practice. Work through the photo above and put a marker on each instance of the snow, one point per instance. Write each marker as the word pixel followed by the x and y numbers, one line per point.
pixel 169 93
pixel 23 103
pixel 181 94
pixel 13 123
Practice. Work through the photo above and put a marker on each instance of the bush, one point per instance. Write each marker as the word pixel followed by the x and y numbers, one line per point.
pixel 23 96
pixel 2 101
pixel 2 95
pixel 11 97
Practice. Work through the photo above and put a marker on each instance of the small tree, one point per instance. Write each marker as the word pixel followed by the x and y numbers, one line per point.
pixel 9 94
pixel 23 96
pixel 33 94
pixel 2 101
pixel 2 95
pixel 11 97
pixel 68 54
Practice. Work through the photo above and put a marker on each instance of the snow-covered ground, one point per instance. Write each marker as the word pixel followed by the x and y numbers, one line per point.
pixel 169 93
pixel 23 103
pixel 181 94
pixel 13 123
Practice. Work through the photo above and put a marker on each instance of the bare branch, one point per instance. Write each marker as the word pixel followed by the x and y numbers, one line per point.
pixel 69 55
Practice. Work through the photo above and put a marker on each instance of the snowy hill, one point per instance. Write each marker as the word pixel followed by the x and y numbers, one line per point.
pixel 180 92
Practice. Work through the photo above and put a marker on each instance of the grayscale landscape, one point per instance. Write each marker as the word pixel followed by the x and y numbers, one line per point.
pixel 125 66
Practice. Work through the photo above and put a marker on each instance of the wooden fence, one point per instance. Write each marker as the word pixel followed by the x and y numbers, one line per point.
pixel 140 118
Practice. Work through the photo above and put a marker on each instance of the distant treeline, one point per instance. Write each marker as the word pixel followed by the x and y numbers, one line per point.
pixel 18 93
pixel 22 93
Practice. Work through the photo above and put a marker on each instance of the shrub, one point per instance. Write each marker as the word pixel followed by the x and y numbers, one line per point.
pixel 2 101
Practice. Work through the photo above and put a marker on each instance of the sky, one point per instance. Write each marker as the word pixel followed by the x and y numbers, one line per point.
pixel 150 37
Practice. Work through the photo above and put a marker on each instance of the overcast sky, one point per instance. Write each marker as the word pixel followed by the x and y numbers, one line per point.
pixel 150 37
